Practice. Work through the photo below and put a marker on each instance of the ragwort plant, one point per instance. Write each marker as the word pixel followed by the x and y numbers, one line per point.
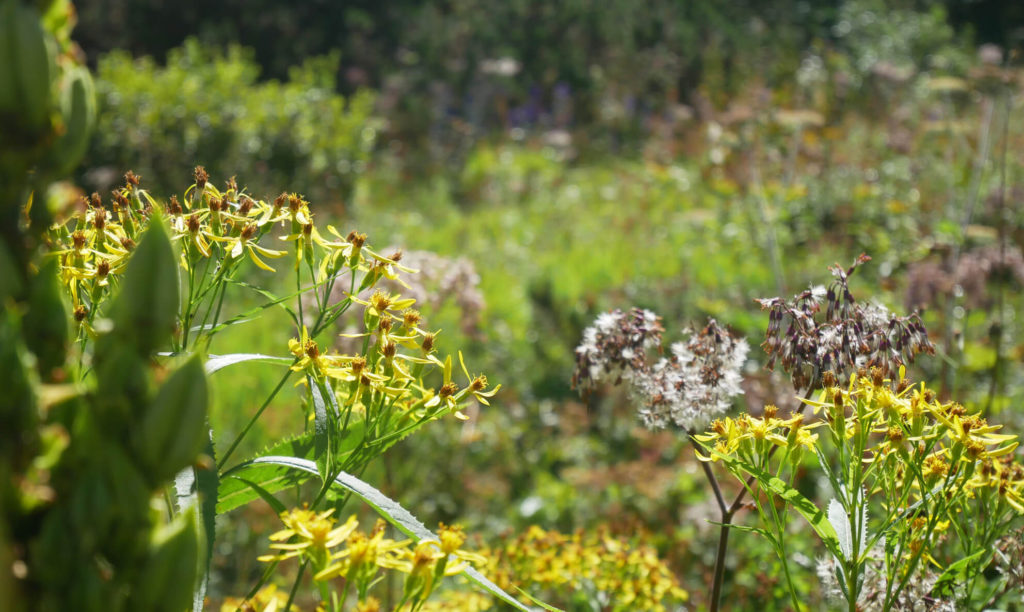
pixel 356 405
pixel 923 490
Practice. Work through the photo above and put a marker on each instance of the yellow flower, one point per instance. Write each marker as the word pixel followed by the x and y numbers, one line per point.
pixel 309 534
pixel 362 556
pixel 311 360
pixel 973 432
pixel 267 599
pixel 245 241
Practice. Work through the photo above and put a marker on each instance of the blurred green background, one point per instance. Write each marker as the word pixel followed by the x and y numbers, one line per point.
pixel 542 162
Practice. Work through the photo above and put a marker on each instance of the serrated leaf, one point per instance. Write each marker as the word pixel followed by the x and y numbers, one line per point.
pixel 233 494
pixel 840 521
pixel 219 362
pixel 388 508
pixel 814 515
pixel 265 495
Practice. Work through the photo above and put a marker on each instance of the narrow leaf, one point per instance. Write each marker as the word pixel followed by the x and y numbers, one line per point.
pixel 233 493
pixel 265 495
pixel 391 510
pixel 956 573
pixel 219 362
pixel 321 427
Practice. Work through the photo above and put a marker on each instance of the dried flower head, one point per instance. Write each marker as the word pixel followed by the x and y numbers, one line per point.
pixel 850 335
pixel 695 384
pixel 615 345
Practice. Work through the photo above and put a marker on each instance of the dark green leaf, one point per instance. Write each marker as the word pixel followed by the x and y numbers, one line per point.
pixel 173 429
pixel 956 573
pixel 45 326
pixel 145 310
pixel 321 426
pixel 272 479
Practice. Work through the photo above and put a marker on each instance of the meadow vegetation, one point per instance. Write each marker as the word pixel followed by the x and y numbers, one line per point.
pixel 729 330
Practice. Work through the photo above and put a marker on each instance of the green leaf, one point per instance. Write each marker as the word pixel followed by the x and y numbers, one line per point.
pixel 265 495
pixel 45 326
pixel 233 493
pixel 321 427
pixel 274 301
pixel 10 276
pixel 173 430
pixel 198 487
pixel 388 508
pixel 219 362
pixel 167 579
pixel 956 573
pixel 145 310
pixel 814 515
pixel 536 601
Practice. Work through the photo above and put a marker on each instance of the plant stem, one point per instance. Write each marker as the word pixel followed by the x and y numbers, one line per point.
pixel 295 587
pixel 727 513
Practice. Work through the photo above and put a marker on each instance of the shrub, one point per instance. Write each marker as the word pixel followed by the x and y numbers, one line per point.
pixel 208 107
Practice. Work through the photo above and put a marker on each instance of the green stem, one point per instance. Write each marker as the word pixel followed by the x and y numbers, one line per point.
pixel 252 421
pixel 295 586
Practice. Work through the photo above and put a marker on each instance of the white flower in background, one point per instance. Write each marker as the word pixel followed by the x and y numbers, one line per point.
pixel 697 383
pixel 694 384
pixel 616 346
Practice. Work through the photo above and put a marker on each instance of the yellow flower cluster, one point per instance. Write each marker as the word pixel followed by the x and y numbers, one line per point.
pixel 552 564
pixel 267 599
pixel 909 431
pixel 95 241
pixel 216 229
pixel 343 551
pixel 750 436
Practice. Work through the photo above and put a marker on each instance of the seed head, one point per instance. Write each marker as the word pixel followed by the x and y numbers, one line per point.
pixel 201 178
pixel 245 205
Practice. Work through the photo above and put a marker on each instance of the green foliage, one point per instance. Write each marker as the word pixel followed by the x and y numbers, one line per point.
pixel 209 107
pixel 77 528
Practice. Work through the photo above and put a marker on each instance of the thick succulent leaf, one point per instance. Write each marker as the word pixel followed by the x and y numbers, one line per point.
pixel 173 429
pixel 145 310
pixel 197 488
